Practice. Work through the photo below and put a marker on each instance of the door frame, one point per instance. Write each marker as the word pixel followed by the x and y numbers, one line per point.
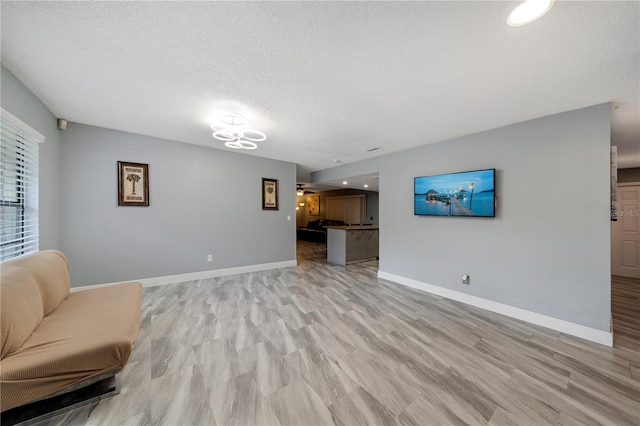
pixel 618 185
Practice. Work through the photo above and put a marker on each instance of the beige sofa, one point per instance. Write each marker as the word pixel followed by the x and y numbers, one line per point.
pixel 54 339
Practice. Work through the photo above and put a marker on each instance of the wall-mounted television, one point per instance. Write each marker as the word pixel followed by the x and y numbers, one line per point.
pixel 470 194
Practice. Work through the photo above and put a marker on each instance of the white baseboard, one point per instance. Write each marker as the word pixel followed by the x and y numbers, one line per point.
pixel 577 330
pixel 194 276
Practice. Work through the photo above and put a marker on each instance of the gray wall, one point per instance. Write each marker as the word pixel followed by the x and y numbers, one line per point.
pixel 202 201
pixel 373 208
pixel 631 175
pixel 19 101
pixel 548 249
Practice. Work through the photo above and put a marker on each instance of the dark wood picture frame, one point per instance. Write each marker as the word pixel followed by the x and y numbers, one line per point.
pixel 269 194
pixel 133 184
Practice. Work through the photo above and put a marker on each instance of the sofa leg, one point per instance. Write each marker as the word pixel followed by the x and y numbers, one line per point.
pixel 44 409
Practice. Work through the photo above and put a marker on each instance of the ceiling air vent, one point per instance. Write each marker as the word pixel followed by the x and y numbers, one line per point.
pixel 373 149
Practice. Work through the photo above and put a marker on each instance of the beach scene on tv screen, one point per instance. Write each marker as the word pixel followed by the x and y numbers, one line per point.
pixel 456 194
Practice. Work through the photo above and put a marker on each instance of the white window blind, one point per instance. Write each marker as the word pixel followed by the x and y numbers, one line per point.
pixel 19 148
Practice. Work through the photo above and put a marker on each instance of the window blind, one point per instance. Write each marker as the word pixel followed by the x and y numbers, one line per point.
pixel 19 149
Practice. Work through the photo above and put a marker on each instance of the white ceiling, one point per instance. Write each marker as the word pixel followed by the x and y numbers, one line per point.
pixel 353 182
pixel 325 80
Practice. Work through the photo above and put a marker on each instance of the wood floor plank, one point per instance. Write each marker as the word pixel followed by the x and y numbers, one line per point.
pixel 625 310
pixel 298 404
pixel 324 376
pixel 322 344
pixel 361 408
pixel 172 401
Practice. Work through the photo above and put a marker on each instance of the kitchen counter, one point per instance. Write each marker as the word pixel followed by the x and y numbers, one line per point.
pixel 348 244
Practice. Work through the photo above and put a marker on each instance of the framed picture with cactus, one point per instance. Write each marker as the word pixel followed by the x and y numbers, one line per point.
pixel 269 194
pixel 133 184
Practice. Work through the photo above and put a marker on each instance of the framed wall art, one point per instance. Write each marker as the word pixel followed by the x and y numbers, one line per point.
pixel 269 194
pixel 313 203
pixel 133 184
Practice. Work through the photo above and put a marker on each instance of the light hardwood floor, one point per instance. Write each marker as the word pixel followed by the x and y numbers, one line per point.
pixel 322 345
pixel 625 310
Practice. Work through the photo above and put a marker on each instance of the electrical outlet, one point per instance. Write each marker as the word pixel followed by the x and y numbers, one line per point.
pixel 209 258
pixel 465 279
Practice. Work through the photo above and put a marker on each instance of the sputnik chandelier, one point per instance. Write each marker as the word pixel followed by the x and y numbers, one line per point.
pixel 231 130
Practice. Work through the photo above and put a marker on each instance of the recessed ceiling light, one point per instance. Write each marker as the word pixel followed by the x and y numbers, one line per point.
pixel 528 12
pixel 373 149
pixel 337 161
pixel 366 186
pixel 344 182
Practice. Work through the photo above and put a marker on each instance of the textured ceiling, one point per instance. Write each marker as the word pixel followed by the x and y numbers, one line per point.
pixel 325 80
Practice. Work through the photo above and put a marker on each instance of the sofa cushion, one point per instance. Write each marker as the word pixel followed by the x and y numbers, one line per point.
pixel 333 222
pixel 51 271
pixel 90 333
pixel 20 308
pixel 314 224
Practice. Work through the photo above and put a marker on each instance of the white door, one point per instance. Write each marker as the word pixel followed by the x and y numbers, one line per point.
pixel 625 241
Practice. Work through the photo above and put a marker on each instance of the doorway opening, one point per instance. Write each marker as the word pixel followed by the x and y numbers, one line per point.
pixel 625 269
